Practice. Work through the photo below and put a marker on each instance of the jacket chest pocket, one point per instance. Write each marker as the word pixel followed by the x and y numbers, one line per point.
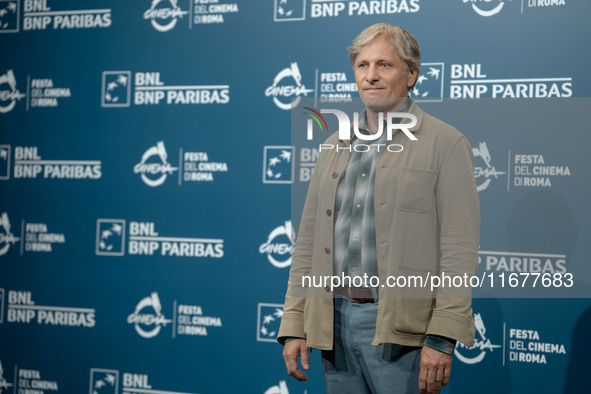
pixel 416 189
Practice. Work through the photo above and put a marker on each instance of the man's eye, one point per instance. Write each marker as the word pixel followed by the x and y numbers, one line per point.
pixel 385 65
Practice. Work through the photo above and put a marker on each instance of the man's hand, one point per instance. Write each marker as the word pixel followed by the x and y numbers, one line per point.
pixel 291 351
pixel 435 370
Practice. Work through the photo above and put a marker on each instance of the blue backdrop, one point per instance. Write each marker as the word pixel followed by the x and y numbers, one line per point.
pixel 144 232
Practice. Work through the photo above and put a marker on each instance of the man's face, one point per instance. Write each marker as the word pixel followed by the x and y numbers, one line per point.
pixel 380 72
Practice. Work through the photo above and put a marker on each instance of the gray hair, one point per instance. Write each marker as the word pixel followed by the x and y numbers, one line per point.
pixel 405 44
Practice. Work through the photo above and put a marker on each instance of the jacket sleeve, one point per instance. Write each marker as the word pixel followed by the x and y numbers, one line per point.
pixel 458 213
pixel 292 322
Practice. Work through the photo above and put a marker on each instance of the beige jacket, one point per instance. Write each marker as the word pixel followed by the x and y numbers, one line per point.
pixel 427 221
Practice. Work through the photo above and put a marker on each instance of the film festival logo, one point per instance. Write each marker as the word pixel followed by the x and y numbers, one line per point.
pixel 4 385
pixel 158 171
pixel 283 87
pixel 289 10
pixel 268 321
pixel 116 89
pixel 5 162
pixel 429 87
pixel 164 14
pixel 6 237
pixel 104 381
pixel 486 9
pixel 147 324
pixel 488 171
pixel 110 237
pixel 280 245
pixel 479 348
pixel 278 164
pixel 9 97
pixel 9 16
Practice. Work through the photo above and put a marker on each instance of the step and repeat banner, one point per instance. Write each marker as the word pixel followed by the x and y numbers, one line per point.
pixel 146 167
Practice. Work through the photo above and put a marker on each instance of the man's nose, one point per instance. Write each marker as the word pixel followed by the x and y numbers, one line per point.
pixel 372 74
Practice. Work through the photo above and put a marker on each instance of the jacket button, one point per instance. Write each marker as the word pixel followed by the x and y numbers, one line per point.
pixel 327 250
pixel 334 175
pixel 327 289
pixel 328 212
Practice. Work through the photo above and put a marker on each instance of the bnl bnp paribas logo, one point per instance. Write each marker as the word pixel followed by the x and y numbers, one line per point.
pixel 268 321
pixel 480 348
pixel 278 164
pixel 106 381
pixel 429 86
pixel 149 88
pixel 9 16
pixel 144 240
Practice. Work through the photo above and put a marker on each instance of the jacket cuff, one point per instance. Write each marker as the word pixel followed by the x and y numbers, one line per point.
pixel 292 326
pixel 442 344
pixel 452 325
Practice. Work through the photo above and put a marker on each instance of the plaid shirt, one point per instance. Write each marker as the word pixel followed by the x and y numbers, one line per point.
pixel 354 218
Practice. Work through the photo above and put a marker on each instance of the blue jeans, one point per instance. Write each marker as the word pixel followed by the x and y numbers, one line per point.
pixel 355 366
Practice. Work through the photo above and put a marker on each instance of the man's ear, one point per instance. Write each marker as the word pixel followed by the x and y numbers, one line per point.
pixel 412 77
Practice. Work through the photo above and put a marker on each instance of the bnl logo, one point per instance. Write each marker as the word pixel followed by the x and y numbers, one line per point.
pixel 116 89
pixel 429 86
pixel 278 164
pixel 104 381
pixel 110 237
pixel 289 10
pixel 9 16
pixel 268 321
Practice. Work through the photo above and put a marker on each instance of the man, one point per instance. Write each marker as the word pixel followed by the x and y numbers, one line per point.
pixel 410 212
